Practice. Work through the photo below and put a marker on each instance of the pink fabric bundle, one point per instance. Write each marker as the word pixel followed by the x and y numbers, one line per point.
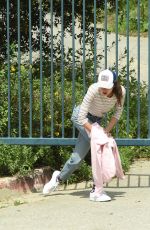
pixel 105 157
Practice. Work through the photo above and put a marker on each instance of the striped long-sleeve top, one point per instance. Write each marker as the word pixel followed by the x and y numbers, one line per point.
pixel 98 104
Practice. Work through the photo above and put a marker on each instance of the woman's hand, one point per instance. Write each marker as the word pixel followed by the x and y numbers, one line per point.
pixel 107 132
pixel 88 126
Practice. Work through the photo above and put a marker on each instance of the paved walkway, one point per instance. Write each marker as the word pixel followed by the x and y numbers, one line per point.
pixel 134 50
pixel 71 209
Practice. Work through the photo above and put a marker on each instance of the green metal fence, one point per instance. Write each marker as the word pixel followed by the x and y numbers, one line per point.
pixel 52 50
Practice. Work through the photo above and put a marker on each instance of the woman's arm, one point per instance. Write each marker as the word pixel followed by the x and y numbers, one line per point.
pixel 84 107
pixel 111 124
pixel 117 115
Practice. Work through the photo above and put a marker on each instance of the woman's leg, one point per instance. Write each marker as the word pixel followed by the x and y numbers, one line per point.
pixel 81 149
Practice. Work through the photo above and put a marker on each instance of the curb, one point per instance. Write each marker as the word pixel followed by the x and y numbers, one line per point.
pixel 36 181
pixel 33 182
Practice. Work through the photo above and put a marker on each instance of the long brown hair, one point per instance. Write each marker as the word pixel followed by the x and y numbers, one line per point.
pixel 117 90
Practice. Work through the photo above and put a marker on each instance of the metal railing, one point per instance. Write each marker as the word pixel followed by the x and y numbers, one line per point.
pixel 37 43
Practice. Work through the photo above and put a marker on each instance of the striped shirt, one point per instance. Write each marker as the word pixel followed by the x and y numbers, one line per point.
pixel 98 104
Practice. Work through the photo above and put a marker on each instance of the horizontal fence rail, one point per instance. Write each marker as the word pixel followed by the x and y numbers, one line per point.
pixel 52 51
pixel 68 141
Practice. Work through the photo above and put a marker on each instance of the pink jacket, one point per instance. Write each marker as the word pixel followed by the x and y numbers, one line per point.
pixel 105 158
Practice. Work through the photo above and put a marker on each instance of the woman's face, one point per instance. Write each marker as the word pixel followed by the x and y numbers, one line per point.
pixel 106 92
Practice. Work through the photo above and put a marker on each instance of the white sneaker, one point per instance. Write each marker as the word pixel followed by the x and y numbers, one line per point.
pixel 102 197
pixel 52 184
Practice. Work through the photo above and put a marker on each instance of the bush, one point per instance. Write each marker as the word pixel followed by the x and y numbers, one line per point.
pixel 16 159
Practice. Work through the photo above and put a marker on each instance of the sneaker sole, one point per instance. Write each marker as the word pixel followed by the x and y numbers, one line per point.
pixel 95 199
pixel 49 192
pixel 53 188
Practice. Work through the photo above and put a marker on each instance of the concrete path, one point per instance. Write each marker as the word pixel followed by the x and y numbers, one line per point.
pixel 134 50
pixel 142 64
pixel 71 209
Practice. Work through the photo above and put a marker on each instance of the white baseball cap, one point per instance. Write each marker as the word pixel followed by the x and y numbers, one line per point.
pixel 106 79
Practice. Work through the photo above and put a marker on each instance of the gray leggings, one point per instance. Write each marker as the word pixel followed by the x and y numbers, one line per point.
pixel 81 148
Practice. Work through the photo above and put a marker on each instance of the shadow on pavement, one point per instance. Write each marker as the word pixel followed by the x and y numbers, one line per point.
pixel 85 194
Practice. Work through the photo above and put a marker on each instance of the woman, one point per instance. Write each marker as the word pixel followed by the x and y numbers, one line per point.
pixel 101 97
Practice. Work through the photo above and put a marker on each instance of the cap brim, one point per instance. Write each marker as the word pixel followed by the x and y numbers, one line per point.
pixel 105 86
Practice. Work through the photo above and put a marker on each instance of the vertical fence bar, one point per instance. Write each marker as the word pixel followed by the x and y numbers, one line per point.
pixel 95 47
pixel 52 73
pixel 138 68
pixel 116 37
pixel 105 28
pixel 105 43
pixel 62 63
pixel 149 69
pixel 127 85
pixel 41 74
pixel 19 77
pixel 83 62
pixel 117 51
pixel 30 69
pixel 8 71
pixel 73 61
